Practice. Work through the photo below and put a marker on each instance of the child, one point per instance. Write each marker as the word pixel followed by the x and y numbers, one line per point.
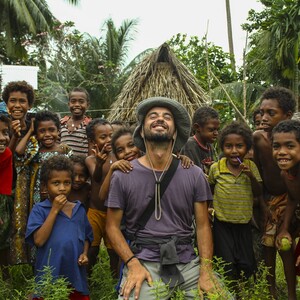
pixel 286 152
pixel 277 104
pixel 256 117
pixel 81 188
pixel 19 98
pixel 99 133
pixel 198 147
pixel 118 124
pixel 234 181
pixel 73 128
pixel 60 229
pixel 31 151
pixel 6 201
pixel 125 151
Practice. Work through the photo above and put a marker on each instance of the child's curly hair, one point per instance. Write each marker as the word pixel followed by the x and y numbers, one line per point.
pixel 79 159
pixel 46 115
pixel 90 128
pixel 18 86
pixel 5 119
pixel 55 163
pixel 288 126
pixel 285 98
pixel 121 132
pixel 236 128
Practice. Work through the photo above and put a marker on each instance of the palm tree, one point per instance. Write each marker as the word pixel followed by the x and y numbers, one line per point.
pixel 230 36
pixel 19 18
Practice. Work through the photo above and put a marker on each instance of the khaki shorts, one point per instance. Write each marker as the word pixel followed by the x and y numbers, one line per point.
pixel 97 219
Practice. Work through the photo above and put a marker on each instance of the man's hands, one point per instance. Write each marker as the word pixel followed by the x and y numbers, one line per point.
pixel 135 277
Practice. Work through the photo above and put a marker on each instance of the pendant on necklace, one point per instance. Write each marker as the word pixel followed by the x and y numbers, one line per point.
pixel 73 125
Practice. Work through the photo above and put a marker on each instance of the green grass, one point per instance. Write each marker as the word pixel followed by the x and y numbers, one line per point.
pixel 102 286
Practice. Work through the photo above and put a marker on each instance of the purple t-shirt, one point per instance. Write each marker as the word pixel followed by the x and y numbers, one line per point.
pixel 132 192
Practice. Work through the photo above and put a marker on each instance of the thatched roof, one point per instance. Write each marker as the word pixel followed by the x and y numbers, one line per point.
pixel 159 74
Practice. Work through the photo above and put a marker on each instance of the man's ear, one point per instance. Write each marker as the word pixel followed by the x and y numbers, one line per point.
pixel 175 135
pixel 142 132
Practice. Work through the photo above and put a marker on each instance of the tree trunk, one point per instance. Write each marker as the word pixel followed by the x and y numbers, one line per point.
pixel 230 37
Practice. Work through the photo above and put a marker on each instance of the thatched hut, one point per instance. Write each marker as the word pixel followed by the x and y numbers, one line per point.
pixel 159 74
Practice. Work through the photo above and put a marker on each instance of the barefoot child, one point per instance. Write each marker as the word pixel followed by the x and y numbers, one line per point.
pixel 19 98
pixel 99 133
pixel 38 144
pixel 6 200
pixel 81 188
pixel 199 147
pixel 60 229
pixel 277 104
pixel 234 181
pixel 286 152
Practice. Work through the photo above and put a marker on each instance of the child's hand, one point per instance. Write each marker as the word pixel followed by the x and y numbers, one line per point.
pixel 246 170
pixel 59 202
pixel 122 165
pixel 31 129
pixel 83 260
pixel 186 162
pixel 16 128
pixel 101 156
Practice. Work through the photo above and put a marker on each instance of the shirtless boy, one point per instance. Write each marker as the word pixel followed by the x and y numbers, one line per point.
pixel 286 152
pixel 277 104
pixel 99 132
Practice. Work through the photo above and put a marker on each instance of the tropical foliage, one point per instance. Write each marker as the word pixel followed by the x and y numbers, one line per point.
pixel 19 18
pixel 68 58
pixel 198 56
pixel 274 40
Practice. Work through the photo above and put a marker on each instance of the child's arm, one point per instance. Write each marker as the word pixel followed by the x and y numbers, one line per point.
pixel 20 149
pixel 101 157
pixel 122 165
pixel 255 185
pixel 16 128
pixel 42 234
pixel 186 162
pixel 83 258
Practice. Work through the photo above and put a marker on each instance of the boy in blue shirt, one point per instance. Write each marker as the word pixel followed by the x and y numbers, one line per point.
pixel 60 229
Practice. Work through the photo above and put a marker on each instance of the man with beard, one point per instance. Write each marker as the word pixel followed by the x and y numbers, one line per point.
pixel 161 249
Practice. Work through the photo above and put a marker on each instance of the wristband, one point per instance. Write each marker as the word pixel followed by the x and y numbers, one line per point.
pixel 129 259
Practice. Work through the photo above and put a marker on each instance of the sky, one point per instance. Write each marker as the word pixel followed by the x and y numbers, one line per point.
pixel 159 20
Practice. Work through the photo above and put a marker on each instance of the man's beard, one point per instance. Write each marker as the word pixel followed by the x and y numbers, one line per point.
pixel 158 137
